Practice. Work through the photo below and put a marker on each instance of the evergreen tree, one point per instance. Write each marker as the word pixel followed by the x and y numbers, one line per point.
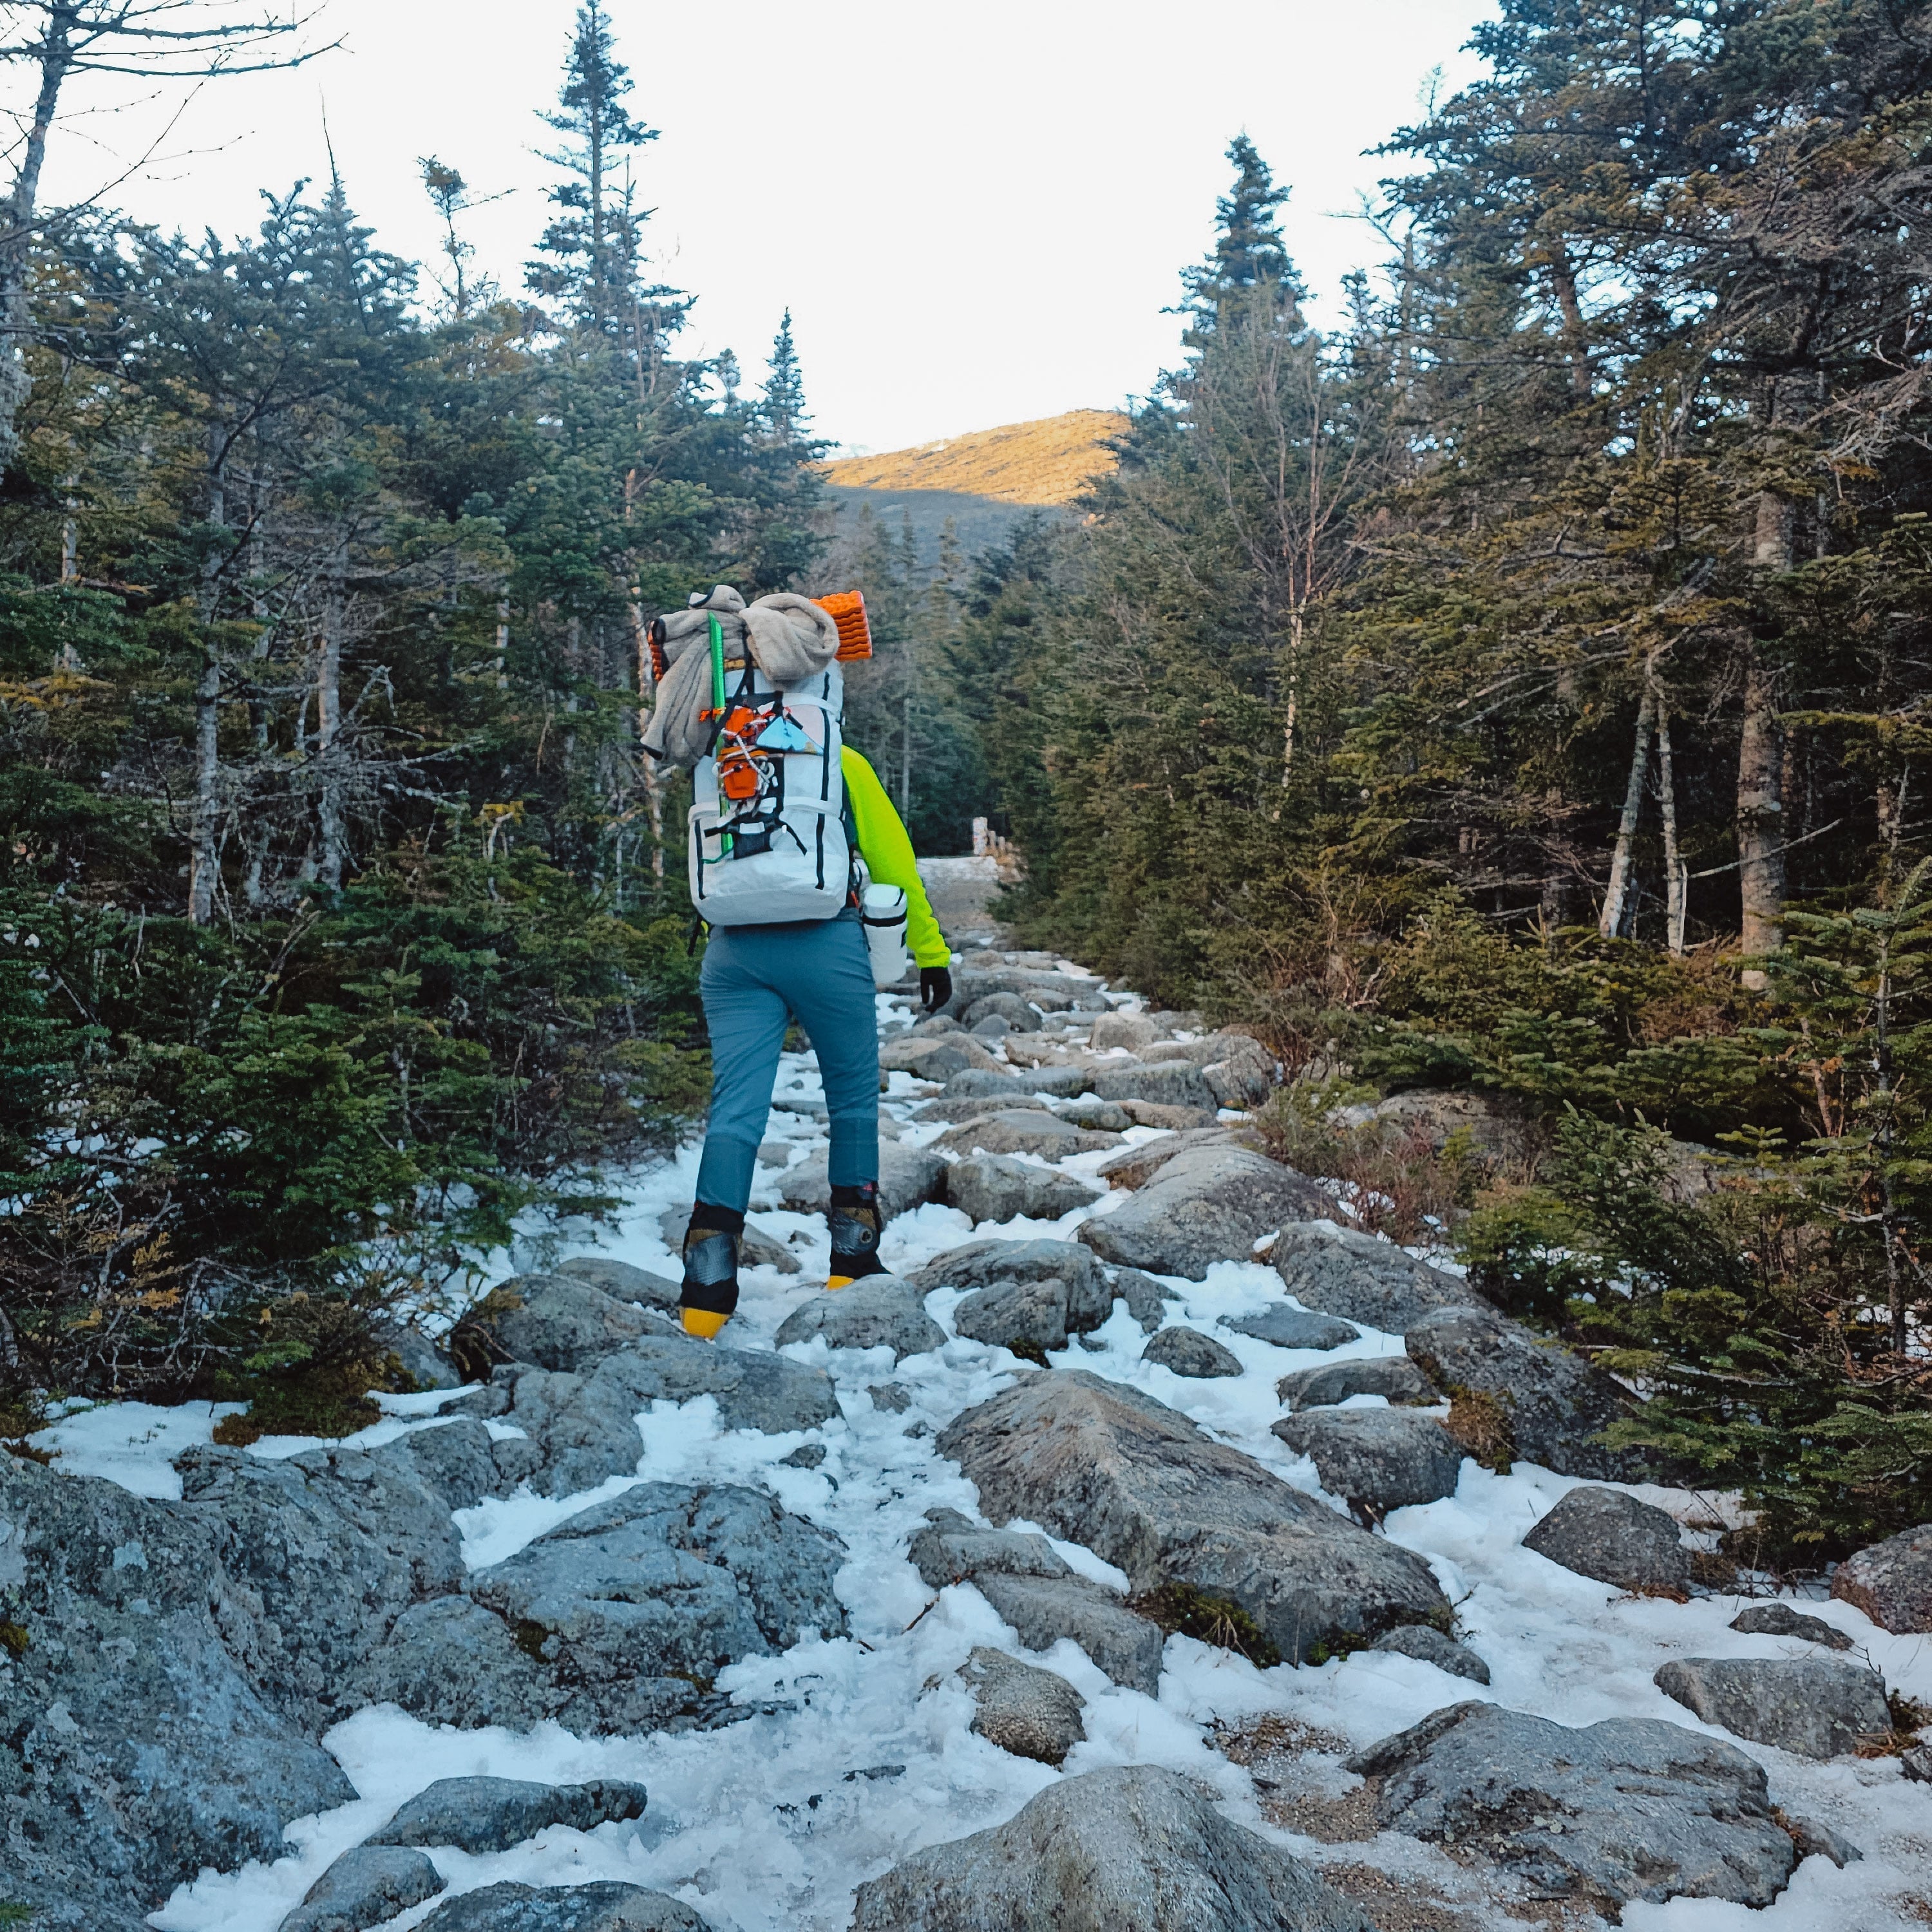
pixel 784 412
pixel 593 251
pixel 1249 251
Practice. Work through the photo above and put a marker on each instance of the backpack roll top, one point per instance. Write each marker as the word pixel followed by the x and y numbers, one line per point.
pixel 767 841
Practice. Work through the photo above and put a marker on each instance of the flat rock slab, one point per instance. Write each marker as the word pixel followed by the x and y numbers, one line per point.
pixel 688 1578
pixel 952 1548
pixel 972 1106
pixel 1034 1294
pixel 1138 1483
pixel 1554 1406
pixel 1430 1645
pixel 1031 1712
pixel 1891 1581
pixel 1130 1849
pixel 605 1907
pixel 1812 1706
pixel 877 1311
pixel 491 1814
pixel 1287 1327
pixel 1168 1083
pixel 1207 1204
pixel 908 1177
pixel 1237 1071
pixel 615 1620
pixel 363 1887
pixel 1606 1535
pixel 756 1248
pixel 1024 1130
pixel 1131 1031
pixel 1042 1610
pixel 1135 1166
pixel 988 1187
pixel 977 1082
pixel 563 1321
pixel 620 1280
pixel 1376 1460
pixel 1781 1620
pixel 1631 1808
pixel 1036 1591
pixel 1394 1377
pixel 1168 1119
pixel 1099 1117
pixel 1186 1351
pixel 582 1428
pixel 935 1059
pixel 1345 1272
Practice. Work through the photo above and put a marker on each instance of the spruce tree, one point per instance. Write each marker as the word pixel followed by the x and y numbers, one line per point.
pixel 1249 251
pixel 592 251
pixel 783 409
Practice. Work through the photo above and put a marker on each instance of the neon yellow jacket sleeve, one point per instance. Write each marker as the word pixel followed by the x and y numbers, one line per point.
pixel 887 852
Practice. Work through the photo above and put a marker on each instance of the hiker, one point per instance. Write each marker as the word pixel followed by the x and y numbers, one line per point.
pixel 789 824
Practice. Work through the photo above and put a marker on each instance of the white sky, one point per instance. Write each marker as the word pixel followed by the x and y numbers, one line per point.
pixel 976 215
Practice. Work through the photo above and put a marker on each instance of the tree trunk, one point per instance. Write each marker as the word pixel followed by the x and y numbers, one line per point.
pixel 1617 892
pixel 1563 282
pixel 1760 806
pixel 1288 723
pixel 331 814
pixel 1760 818
pixel 204 843
pixel 1676 885
pixel 17 248
pixel 204 846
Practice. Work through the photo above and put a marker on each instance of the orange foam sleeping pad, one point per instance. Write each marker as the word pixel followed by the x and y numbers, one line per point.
pixel 847 610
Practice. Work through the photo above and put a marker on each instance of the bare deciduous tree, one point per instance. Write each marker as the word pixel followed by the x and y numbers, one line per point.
pixel 54 40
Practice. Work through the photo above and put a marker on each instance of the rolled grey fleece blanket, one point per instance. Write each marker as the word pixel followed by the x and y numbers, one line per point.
pixel 791 641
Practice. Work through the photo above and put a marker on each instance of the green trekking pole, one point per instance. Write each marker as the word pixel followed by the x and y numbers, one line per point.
pixel 718 706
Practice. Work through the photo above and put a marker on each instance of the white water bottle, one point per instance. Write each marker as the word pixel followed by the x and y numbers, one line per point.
pixel 883 910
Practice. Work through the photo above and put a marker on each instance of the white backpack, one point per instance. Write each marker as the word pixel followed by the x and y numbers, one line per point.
pixel 767 839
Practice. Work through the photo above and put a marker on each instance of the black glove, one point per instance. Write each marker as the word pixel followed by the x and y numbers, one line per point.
pixel 935 987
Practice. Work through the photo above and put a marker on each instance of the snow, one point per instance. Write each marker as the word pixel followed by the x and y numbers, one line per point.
pixel 133 1443
pixel 865 1753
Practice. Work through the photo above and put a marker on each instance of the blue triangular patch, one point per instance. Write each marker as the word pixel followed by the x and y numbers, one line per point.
pixel 784 734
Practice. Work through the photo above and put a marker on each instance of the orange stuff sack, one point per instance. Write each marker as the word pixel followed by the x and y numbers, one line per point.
pixel 847 609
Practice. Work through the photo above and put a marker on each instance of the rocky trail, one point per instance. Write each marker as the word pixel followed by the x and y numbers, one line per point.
pixel 1110 1564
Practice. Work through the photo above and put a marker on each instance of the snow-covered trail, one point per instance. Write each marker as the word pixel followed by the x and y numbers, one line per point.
pixel 772 1822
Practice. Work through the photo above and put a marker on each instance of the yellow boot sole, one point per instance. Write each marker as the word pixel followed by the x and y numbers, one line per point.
pixel 840 1280
pixel 704 1324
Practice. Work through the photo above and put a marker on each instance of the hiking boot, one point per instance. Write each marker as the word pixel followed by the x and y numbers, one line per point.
pixel 710 1292
pixel 857 1221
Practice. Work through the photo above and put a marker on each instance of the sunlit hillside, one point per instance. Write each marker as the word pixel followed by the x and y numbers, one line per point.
pixel 1045 462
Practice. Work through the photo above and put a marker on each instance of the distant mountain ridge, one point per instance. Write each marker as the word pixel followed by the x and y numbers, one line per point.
pixel 1046 464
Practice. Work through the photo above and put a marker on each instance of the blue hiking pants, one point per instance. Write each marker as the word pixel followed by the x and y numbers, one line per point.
pixel 755 979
